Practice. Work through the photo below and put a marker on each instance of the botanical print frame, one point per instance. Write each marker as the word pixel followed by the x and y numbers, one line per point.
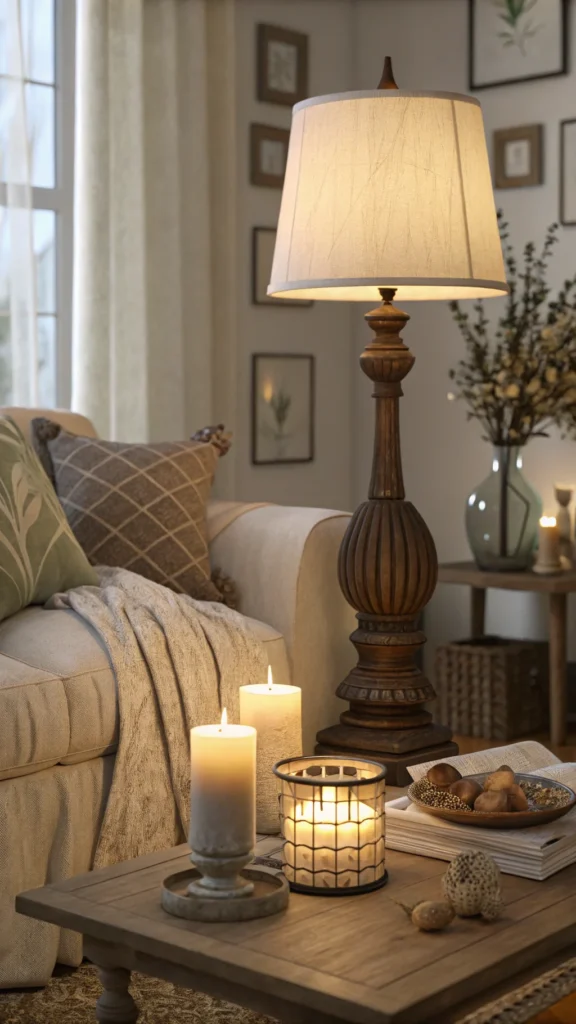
pixel 268 155
pixel 282 65
pixel 263 242
pixel 283 403
pixel 568 172
pixel 518 156
pixel 516 41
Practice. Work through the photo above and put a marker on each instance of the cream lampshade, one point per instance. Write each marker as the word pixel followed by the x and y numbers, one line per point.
pixel 388 189
pixel 387 196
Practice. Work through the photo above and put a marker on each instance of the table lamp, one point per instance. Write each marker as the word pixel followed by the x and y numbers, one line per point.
pixel 387 193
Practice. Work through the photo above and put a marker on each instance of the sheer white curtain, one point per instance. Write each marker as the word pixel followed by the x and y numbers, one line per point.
pixel 18 323
pixel 144 309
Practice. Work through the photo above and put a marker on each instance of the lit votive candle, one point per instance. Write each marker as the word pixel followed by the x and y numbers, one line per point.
pixel 333 824
pixel 222 804
pixel 275 711
pixel 548 560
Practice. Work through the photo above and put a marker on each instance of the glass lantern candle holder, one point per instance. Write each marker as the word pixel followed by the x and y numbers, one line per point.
pixel 332 818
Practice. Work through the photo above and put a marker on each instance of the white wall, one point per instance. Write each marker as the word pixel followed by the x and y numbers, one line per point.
pixel 444 457
pixel 323 330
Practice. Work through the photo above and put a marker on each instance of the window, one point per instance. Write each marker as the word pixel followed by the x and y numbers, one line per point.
pixel 47 49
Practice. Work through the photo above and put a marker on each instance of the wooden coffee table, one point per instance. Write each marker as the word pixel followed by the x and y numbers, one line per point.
pixel 324 960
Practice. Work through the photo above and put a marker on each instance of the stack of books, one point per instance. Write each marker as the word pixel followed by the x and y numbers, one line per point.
pixel 533 853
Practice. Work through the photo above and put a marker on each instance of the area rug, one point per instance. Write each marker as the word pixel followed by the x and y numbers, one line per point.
pixel 71 999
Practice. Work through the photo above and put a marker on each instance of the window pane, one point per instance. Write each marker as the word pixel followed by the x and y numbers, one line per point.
pixel 40 108
pixel 45 254
pixel 38 39
pixel 5 362
pixel 47 360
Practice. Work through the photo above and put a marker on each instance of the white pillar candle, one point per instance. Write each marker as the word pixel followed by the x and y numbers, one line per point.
pixel 222 789
pixel 275 711
pixel 548 560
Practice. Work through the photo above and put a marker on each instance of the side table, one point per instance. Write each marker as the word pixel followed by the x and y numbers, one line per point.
pixel 557 588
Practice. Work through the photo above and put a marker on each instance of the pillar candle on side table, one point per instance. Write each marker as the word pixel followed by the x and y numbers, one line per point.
pixel 275 712
pixel 222 806
pixel 548 560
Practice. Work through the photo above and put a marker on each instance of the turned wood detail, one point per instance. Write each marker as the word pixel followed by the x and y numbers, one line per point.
pixel 115 1005
pixel 387 564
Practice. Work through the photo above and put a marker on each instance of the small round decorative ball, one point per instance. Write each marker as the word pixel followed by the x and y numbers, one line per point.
pixel 517 800
pixel 431 916
pixel 467 790
pixel 472 886
pixel 493 802
pixel 443 775
pixel 502 779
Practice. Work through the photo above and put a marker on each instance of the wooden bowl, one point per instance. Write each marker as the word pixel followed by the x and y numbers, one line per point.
pixel 502 819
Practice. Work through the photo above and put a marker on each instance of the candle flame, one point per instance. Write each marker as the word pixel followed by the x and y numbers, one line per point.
pixel 224 719
pixel 268 391
pixel 548 521
pixel 270 679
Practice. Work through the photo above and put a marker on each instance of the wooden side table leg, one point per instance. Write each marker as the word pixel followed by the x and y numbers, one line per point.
pixel 115 1005
pixel 477 611
pixel 558 674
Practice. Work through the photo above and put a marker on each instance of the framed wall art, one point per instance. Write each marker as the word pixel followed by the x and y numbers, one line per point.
pixel 282 65
pixel 516 40
pixel 268 155
pixel 282 409
pixel 263 242
pixel 518 156
pixel 568 172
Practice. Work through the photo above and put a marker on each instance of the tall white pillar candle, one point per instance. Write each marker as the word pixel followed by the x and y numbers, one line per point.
pixel 275 711
pixel 222 790
pixel 548 560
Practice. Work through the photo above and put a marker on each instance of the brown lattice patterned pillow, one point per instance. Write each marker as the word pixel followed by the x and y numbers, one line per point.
pixel 136 506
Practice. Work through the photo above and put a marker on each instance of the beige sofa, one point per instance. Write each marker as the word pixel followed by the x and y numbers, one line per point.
pixel 58 707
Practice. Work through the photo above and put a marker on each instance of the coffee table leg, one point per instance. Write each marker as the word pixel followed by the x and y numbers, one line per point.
pixel 558 612
pixel 115 1005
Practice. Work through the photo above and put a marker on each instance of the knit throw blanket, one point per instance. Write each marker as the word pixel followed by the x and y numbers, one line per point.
pixel 177 663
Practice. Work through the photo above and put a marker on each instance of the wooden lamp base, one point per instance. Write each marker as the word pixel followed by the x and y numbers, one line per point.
pixel 387 570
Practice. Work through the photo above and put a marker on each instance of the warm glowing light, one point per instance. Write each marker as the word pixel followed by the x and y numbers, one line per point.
pixel 268 391
pixel 548 521
pixel 328 811
pixel 224 719
pixel 270 678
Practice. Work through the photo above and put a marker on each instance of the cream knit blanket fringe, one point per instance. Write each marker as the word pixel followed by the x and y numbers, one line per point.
pixel 177 662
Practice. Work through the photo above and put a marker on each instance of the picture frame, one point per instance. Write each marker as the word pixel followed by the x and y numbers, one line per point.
pixel 568 172
pixel 281 66
pixel 263 242
pixel 268 155
pixel 514 41
pixel 518 156
pixel 283 408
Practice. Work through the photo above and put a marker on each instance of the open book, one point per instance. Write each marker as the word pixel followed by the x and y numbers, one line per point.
pixel 531 853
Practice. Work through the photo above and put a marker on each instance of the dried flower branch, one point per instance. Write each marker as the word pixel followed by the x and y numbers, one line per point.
pixel 523 381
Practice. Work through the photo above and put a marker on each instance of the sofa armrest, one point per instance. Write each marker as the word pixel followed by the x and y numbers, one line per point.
pixel 284 563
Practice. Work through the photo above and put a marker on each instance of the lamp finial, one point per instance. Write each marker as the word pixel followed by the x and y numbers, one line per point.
pixel 387 79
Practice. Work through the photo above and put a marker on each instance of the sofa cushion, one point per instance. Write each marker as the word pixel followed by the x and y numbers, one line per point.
pixel 39 554
pixel 136 506
pixel 58 692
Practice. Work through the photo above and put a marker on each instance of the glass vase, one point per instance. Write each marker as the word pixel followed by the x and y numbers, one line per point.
pixel 502 515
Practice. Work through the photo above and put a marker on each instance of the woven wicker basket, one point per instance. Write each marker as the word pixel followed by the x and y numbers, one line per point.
pixel 492 687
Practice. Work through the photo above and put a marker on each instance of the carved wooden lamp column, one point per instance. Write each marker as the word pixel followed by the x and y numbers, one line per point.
pixel 387 193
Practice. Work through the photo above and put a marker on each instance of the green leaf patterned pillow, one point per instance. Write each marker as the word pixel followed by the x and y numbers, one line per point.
pixel 39 554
